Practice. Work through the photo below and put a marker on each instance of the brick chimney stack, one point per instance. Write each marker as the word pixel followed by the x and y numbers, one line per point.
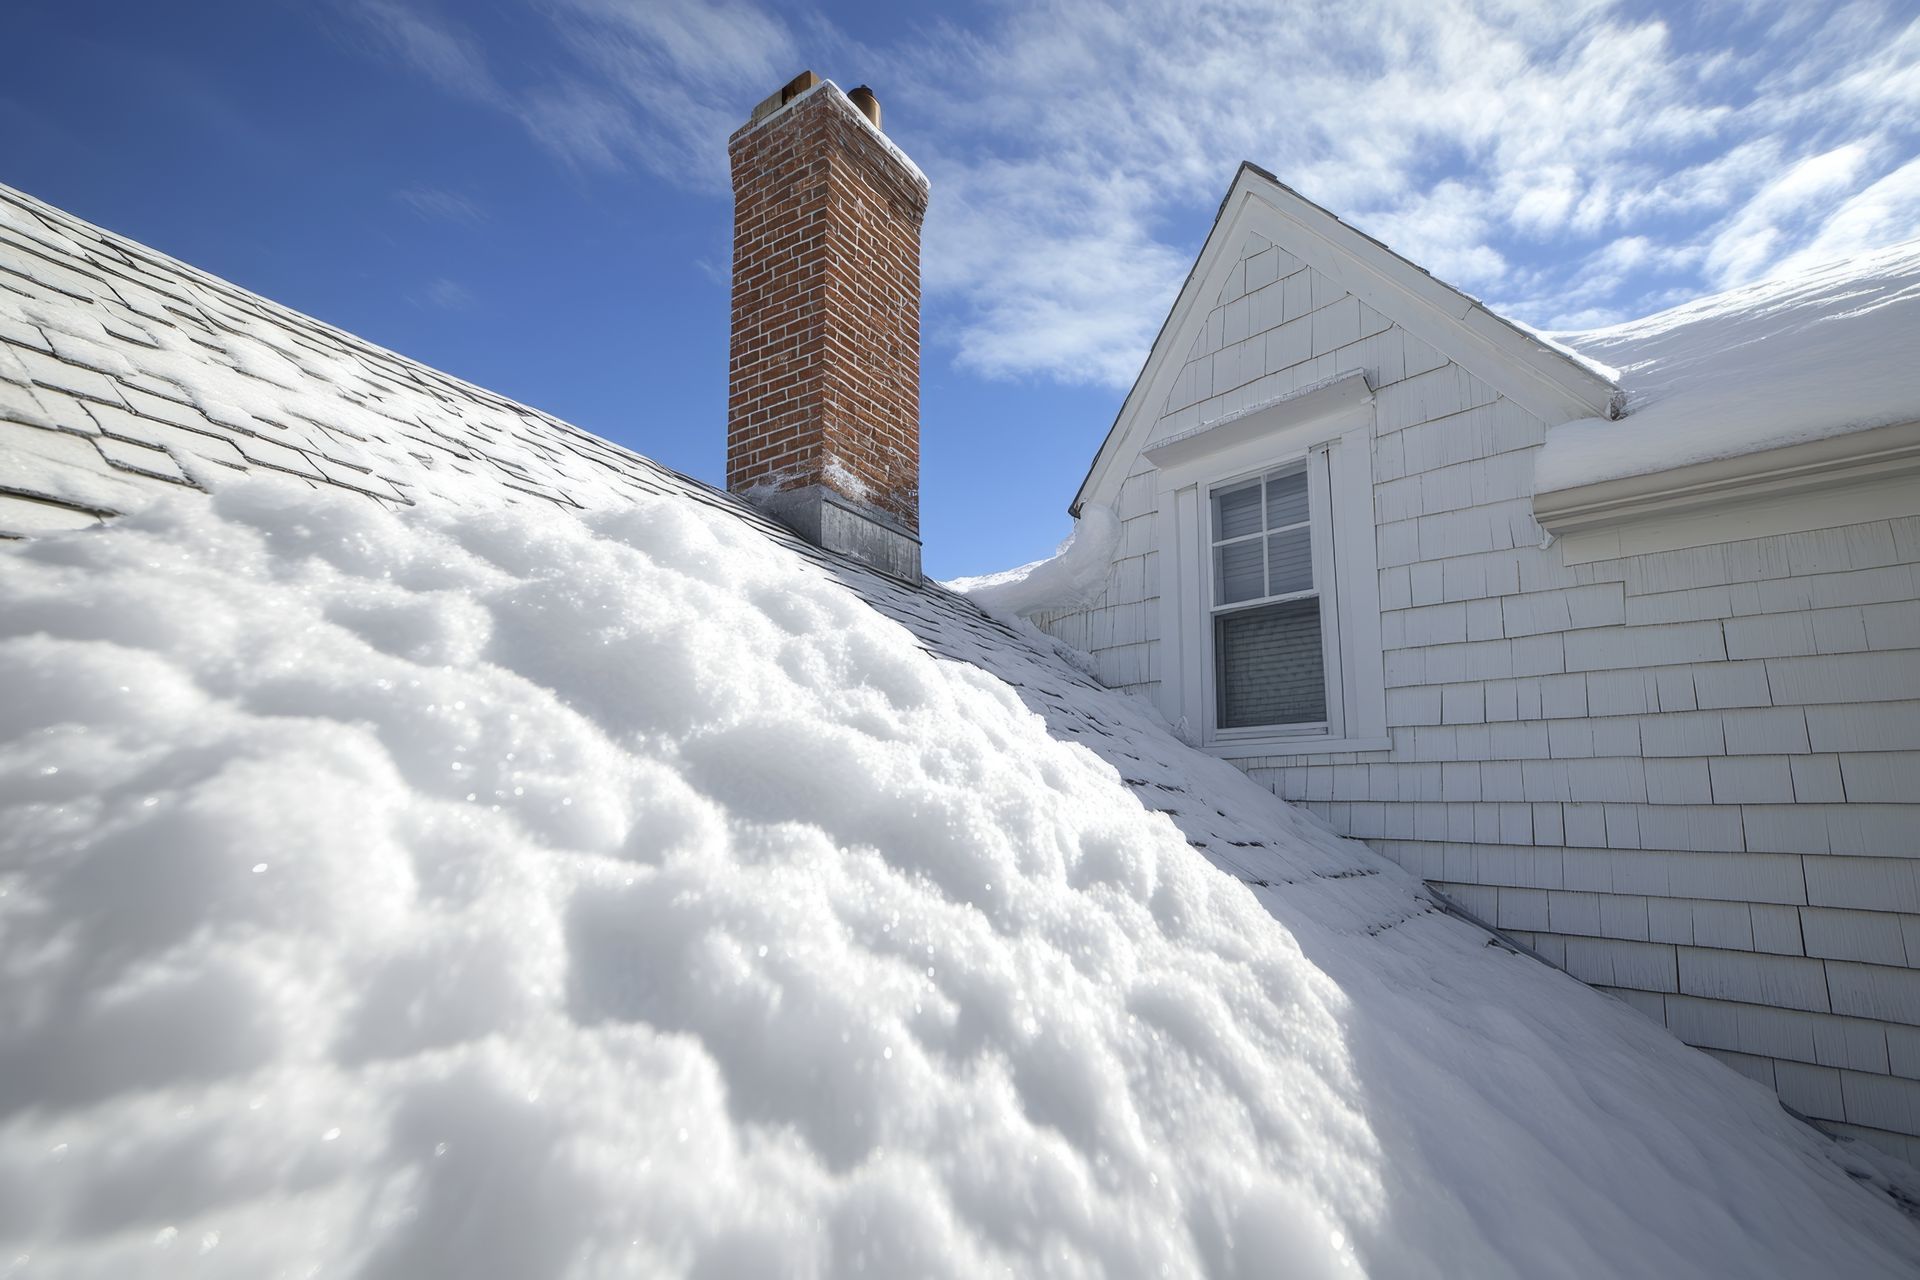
pixel 823 403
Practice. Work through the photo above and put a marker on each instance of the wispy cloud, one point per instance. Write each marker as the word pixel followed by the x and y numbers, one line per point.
pixel 1752 239
pixel 443 53
pixel 673 73
pixel 1573 161
pixel 443 294
pixel 654 83
pixel 1884 213
pixel 437 205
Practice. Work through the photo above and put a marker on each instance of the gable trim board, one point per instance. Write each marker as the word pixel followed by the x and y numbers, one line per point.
pixel 1817 484
pixel 1534 374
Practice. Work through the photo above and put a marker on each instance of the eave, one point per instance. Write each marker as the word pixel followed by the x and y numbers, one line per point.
pixel 1878 454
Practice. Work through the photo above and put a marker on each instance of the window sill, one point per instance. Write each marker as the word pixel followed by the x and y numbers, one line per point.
pixel 1242 748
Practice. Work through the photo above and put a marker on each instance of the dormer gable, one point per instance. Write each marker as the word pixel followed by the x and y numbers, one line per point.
pixel 1261 216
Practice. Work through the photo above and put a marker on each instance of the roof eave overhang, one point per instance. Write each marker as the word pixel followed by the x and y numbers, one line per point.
pixel 1878 453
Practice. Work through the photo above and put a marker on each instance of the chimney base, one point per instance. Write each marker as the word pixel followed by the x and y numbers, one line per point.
pixel 834 523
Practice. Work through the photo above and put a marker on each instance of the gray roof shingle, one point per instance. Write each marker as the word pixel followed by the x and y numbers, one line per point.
pixel 126 375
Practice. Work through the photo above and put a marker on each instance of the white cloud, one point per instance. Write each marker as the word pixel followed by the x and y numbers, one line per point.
pixel 1885 213
pixel 1752 239
pixel 1077 147
pixel 1547 200
pixel 1444 230
pixel 658 83
pixel 661 82
pixel 449 57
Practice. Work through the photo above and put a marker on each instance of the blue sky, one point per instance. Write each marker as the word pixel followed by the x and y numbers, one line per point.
pixel 533 195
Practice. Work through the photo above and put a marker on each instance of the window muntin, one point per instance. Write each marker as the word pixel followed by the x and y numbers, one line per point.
pixel 1269 661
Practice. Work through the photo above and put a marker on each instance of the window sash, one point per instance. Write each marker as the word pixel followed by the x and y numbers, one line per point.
pixel 1281 489
pixel 1271 674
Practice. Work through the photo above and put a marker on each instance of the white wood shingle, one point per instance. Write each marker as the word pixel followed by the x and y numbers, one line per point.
pixel 1691 776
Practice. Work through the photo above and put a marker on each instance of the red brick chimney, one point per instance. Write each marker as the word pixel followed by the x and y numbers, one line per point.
pixel 823 403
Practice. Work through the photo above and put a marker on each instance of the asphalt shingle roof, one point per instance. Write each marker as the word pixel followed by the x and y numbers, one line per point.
pixel 126 376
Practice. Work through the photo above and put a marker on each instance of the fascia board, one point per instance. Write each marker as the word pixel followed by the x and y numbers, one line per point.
pixel 1881 453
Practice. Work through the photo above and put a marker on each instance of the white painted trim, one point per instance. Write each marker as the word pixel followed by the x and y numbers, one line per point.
pixel 1335 421
pixel 1286 426
pixel 1363 671
pixel 1251 748
pixel 1326 589
pixel 1346 394
pixel 1882 453
pixel 1737 521
pixel 1547 382
pixel 1326 566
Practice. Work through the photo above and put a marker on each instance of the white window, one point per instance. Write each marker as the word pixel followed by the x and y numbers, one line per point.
pixel 1270 647
pixel 1270 627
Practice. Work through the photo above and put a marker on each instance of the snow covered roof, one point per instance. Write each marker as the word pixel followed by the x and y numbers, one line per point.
pixel 459 846
pixel 1821 353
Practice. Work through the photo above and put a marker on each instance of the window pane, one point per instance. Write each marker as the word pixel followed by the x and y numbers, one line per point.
pixel 1236 512
pixel 1286 498
pixel 1268 667
pixel 1289 561
pixel 1237 571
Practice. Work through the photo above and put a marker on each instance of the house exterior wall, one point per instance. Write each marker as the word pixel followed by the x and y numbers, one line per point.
pixel 1692 778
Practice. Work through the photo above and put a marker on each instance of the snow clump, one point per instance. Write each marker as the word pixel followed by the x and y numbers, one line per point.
pixel 505 893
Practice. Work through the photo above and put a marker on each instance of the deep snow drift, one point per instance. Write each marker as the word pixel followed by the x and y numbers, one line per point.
pixel 1818 353
pixel 505 893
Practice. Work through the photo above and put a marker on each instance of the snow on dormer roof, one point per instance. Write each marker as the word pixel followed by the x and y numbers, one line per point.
pixel 1819 353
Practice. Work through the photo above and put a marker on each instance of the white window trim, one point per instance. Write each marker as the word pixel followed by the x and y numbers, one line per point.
pixel 1333 420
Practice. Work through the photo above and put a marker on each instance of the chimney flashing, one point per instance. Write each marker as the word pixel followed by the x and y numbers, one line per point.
pixel 834 523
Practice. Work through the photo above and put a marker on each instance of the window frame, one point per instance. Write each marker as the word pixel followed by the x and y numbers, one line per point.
pixel 1325 589
pixel 1331 421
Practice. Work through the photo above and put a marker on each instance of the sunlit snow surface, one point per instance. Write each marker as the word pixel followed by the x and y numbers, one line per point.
pixel 513 893
pixel 1818 353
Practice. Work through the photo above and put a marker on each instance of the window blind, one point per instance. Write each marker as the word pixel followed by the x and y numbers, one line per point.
pixel 1268 668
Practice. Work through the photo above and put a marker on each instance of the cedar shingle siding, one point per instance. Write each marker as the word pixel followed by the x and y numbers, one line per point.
pixel 1692 777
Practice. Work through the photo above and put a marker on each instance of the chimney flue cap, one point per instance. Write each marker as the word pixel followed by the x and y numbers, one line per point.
pixel 862 97
pixel 783 95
